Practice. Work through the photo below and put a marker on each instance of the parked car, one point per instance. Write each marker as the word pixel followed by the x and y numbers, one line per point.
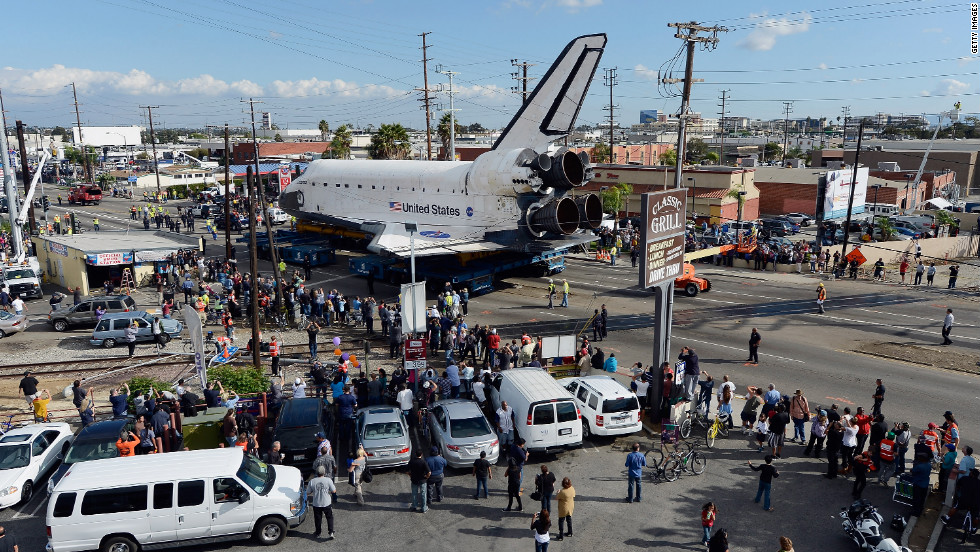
pixel 94 442
pixel 383 432
pixel 793 226
pixel 800 218
pixel 83 314
pixel 462 432
pixel 607 407
pixel 26 454
pixel 111 330
pixel 238 222
pixel 296 427
pixel 277 216
pixel 545 414
pixel 11 323
pixel 775 227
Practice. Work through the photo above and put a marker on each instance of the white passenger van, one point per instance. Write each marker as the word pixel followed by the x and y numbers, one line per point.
pixel 607 407
pixel 545 413
pixel 881 209
pixel 164 500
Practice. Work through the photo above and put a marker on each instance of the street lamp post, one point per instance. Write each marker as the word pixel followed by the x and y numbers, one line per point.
pixel 694 213
pixel 905 200
pixel 741 200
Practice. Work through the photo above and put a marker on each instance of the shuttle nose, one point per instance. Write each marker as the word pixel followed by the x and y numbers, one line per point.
pixel 291 200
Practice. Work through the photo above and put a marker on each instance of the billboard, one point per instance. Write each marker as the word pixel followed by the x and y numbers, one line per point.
pixel 285 177
pixel 663 236
pixel 838 191
pixel 108 136
pixel 648 116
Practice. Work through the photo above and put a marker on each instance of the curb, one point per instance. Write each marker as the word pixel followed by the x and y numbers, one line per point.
pixel 937 531
pixel 908 530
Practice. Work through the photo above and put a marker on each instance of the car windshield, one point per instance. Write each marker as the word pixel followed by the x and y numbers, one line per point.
pixel 469 427
pixel 383 430
pixel 4 315
pixel 20 273
pixel 14 456
pixel 624 404
pixel 257 475
pixel 83 451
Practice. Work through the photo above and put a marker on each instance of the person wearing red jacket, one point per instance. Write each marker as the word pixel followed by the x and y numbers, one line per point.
pixel 864 428
pixel 493 343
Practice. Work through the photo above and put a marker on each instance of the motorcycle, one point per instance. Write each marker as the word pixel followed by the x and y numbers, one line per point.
pixel 862 523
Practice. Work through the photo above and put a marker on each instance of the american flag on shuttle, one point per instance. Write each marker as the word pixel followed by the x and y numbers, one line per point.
pixel 395 206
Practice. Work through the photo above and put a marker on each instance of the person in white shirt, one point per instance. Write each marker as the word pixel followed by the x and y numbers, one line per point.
pixel 299 389
pixel 640 385
pixel 726 383
pixel 467 377
pixel 479 392
pixel 505 426
pixel 404 398
pixel 18 305
pixel 947 325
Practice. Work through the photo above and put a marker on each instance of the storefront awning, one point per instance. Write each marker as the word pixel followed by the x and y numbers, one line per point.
pixel 939 203
pixel 152 256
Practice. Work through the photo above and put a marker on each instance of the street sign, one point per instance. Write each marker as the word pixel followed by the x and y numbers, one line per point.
pixel 285 177
pixel 663 236
pixel 856 255
pixel 415 351
pixel 131 179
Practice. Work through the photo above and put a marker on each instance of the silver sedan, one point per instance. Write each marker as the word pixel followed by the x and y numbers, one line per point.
pixel 11 323
pixel 383 432
pixel 462 432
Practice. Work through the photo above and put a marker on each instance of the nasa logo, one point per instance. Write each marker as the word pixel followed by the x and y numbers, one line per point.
pixel 434 234
pixel 469 211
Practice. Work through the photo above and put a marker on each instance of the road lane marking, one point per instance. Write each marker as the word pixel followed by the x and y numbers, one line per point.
pixel 931 332
pixel 930 320
pixel 741 349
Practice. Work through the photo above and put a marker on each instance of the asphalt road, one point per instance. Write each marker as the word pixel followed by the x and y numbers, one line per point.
pixel 800 350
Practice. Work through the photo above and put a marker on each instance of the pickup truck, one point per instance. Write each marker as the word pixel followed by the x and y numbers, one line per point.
pixel 205 210
pixel 84 195
pixel 278 216
pixel 22 280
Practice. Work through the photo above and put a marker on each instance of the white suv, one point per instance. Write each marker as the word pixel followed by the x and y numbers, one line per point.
pixel 607 407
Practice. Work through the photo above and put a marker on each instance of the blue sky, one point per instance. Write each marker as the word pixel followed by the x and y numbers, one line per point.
pixel 350 61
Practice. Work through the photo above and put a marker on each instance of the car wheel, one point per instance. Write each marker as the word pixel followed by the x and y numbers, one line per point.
pixel 270 531
pixel 60 325
pixel 3 334
pixel 166 338
pixel 586 430
pixel 109 343
pixel 691 289
pixel 119 544
pixel 27 492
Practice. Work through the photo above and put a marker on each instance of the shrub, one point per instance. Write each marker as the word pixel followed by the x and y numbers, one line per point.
pixel 242 380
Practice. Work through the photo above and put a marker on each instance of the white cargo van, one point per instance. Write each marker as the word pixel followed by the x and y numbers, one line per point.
pixel 545 413
pixel 607 407
pixel 131 503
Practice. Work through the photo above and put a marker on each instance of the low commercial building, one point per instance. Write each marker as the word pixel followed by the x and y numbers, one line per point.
pixel 88 260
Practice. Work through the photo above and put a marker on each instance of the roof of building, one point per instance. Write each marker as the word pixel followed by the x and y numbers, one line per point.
pixel 109 241
pixel 264 168
pixel 290 148
pixel 807 175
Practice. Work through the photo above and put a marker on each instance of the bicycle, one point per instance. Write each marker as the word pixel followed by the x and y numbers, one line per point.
pixel 697 416
pixel 8 425
pixel 692 461
pixel 718 427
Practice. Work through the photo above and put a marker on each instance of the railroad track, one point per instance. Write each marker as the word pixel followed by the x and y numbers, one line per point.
pixel 10 371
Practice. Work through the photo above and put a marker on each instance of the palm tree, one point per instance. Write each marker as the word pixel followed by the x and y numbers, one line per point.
pixel 324 127
pixel 443 132
pixel 340 145
pixel 625 190
pixel 389 142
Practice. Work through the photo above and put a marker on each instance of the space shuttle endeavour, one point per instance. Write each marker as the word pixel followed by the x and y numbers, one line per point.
pixel 517 196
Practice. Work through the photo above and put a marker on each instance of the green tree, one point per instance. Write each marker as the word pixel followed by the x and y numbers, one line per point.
pixel 668 157
pixel 885 227
pixel 794 153
pixel 696 149
pixel 278 138
pixel 60 130
pixel 710 157
pixel 443 131
pixel 324 127
pixel 625 190
pixel 74 155
pixel 199 153
pixel 772 150
pixel 341 143
pixel 105 180
pixel 600 152
pixel 612 200
pixel 475 127
pixel 737 196
pixel 389 142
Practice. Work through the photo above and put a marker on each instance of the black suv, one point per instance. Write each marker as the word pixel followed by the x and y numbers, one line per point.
pixel 779 228
pixel 296 427
pixel 83 314
pixel 93 442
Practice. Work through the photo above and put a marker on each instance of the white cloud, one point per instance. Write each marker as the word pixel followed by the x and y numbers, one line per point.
pixel 576 5
pixel 204 84
pixel 247 87
pixel 316 87
pixel 485 91
pixel 822 66
pixel 275 35
pixel 644 72
pixel 136 82
pixel 951 87
pixel 966 60
pixel 768 29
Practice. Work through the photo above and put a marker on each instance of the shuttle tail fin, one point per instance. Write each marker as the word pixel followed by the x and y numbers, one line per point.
pixel 553 106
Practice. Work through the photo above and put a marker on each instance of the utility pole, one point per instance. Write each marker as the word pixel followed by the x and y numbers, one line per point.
pixel 25 170
pixel 452 112
pixel 426 98
pixel 81 142
pixel 721 151
pixel 228 196
pixel 691 39
pixel 253 264
pixel 521 77
pixel 260 197
pixel 850 200
pixel 846 113
pixel 788 108
pixel 609 79
pixel 153 141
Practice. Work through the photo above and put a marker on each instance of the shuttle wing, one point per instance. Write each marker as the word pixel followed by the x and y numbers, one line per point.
pixel 393 239
pixel 553 106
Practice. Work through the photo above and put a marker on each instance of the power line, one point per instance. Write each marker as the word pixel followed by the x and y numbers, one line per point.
pixel 609 79
pixel 521 78
pixel 426 98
